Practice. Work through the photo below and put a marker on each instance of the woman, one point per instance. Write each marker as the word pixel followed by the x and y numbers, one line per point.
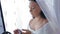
pixel 39 24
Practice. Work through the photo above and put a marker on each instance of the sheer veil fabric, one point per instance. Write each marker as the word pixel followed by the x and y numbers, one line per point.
pixel 51 9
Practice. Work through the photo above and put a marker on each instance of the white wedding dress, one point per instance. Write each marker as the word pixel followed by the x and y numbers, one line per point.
pixel 46 29
pixel 51 9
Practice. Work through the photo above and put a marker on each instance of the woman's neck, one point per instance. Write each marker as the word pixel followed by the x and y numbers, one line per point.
pixel 39 18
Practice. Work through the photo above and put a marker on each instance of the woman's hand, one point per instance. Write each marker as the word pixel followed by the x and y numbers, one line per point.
pixel 17 31
pixel 24 31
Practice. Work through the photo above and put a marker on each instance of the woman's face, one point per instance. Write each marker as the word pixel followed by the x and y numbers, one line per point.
pixel 34 9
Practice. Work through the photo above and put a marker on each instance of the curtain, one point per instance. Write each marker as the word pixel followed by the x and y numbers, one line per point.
pixel 51 9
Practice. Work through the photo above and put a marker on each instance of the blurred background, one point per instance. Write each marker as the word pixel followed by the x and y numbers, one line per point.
pixel 16 14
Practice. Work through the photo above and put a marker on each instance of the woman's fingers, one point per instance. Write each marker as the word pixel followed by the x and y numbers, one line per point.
pixel 25 31
pixel 17 31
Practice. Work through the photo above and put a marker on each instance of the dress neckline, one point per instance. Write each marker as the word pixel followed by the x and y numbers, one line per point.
pixel 39 28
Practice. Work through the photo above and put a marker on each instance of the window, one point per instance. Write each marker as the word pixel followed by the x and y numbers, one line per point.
pixel 16 14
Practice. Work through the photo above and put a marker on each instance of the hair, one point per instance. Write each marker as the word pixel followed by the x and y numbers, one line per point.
pixel 33 0
pixel 41 14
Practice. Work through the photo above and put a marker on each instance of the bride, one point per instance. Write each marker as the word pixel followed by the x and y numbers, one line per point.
pixel 39 24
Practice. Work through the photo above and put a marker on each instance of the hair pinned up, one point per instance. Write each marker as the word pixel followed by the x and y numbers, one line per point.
pixel 33 0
